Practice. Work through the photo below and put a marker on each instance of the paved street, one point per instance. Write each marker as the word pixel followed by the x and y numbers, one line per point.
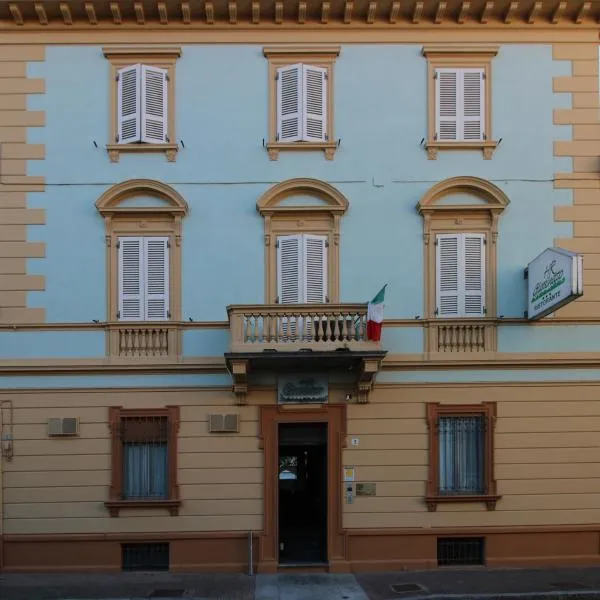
pixel 476 584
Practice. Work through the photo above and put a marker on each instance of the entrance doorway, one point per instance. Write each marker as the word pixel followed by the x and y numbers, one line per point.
pixel 302 487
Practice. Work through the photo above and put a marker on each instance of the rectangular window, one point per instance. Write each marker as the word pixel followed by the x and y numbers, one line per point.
pixel 461 453
pixel 301 104
pixel 302 269
pixel 142 100
pixel 459 98
pixel 143 278
pixel 460 105
pixel 460 275
pixel 461 442
pixel 142 105
pixel 144 458
pixel 301 99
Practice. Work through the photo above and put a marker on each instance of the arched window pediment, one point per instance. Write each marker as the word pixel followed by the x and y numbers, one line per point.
pixel 113 201
pixel 332 200
pixel 491 198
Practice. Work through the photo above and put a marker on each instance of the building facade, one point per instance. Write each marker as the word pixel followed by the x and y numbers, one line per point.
pixel 197 200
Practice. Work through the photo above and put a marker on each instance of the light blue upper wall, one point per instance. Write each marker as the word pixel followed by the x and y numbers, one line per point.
pixel 380 119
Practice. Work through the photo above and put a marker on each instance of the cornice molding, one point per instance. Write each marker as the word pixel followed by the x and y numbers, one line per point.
pixel 151 51
pixel 459 50
pixel 392 362
pixel 230 14
pixel 273 51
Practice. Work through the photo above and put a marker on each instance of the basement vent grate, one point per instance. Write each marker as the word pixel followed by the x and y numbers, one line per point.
pixel 460 551
pixel 145 557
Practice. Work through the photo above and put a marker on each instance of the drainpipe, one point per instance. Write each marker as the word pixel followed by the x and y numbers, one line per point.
pixel 250 554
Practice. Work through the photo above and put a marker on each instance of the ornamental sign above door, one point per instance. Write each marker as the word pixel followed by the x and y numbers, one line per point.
pixel 302 389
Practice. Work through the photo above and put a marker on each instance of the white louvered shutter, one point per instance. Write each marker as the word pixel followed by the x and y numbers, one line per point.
pixel 154 105
pixel 446 104
pixel 448 275
pixel 156 260
pixel 315 269
pixel 131 279
pixel 474 274
pixel 289 269
pixel 314 104
pixel 128 104
pixel 289 103
pixel 472 104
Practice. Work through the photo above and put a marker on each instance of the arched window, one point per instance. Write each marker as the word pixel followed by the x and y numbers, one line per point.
pixel 143 266
pixel 460 222
pixel 302 236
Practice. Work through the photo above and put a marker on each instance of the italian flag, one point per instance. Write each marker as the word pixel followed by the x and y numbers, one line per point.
pixel 375 315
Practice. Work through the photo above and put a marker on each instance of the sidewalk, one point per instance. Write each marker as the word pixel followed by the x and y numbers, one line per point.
pixel 479 584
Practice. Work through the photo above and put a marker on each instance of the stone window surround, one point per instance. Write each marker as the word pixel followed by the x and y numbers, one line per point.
pixel 122 221
pixel 161 57
pixel 435 410
pixel 455 56
pixel 288 220
pixel 116 503
pixel 318 56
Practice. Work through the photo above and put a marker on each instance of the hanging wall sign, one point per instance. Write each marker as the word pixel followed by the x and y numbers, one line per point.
pixel 554 279
pixel 303 389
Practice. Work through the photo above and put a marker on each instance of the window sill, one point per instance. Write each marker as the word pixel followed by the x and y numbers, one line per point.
pixel 489 499
pixel 273 148
pixel 487 148
pixel 115 150
pixel 114 506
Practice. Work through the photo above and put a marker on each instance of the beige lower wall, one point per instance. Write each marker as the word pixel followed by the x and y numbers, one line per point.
pixel 546 440
pixel 546 464
pixel 59 485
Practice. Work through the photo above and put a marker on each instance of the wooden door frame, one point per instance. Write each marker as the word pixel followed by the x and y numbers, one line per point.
pixel 270 418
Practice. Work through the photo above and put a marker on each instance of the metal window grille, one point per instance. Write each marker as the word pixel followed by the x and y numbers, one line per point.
pixel 145 457
pixel 460 551
pixel 145 557
pixel 461 455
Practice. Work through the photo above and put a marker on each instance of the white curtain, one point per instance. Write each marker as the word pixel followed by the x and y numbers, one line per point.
pixel 462 455
pixel 145 470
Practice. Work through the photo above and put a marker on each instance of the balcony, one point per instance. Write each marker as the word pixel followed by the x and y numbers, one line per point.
pixel 462 336
pixel 128 341
pixel 292 327
pixel 301 337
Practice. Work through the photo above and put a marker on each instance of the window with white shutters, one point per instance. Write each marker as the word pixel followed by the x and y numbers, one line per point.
pixel 301 103
pixel 142 105
pixel 143 279
pixel 154 105
pixel 314 103
pixel 460 105
pixel 301 269
pixel 460 275
pixel 128 104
